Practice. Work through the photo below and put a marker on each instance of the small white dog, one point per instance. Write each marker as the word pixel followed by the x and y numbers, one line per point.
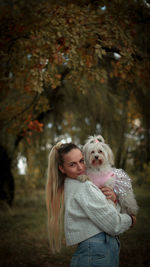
pixel 99 160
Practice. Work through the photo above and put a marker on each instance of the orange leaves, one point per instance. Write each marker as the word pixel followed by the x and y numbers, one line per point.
pixel 55 80
pixel 58 76
pixel 20 28
pixel 89 61
pixel 102 80
pixel 27 88
pixel 31 126
pixel 122 69
pixel 61 43
pixel 133 109
pixel 57 58
pixel 35 126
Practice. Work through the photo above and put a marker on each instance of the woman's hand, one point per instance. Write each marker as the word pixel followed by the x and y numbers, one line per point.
pixel 109 193
pixel 133 217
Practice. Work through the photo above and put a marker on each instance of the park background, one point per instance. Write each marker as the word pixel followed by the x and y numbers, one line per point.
pixel 70 69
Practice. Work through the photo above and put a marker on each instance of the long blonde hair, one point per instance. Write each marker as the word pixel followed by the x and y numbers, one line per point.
pixel 55 194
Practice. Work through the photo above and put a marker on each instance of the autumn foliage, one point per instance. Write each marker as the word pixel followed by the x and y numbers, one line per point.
pixel 41 40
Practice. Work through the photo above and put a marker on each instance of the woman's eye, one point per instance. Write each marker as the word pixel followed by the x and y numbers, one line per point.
pixel 72 164
pixel 82 160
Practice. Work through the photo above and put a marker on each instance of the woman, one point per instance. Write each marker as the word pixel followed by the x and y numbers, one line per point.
pixel 89 220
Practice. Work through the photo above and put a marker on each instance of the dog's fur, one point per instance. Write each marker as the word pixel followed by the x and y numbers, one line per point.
pixel 99 160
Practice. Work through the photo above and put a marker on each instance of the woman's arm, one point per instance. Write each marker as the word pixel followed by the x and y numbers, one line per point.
pixel 110 194
pixel 98 210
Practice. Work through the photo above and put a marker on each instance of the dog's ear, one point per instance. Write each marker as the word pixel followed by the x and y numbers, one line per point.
pixel 100 138
pixel 109 154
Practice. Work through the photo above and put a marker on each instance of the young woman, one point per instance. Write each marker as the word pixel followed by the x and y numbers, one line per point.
pixel 89 220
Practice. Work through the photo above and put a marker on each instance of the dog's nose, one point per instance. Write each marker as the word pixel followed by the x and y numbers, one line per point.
pixel 96 157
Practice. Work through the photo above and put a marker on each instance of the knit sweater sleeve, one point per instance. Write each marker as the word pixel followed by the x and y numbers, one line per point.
pixel 104 215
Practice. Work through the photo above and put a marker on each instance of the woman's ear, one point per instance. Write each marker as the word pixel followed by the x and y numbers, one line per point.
pixel 61 169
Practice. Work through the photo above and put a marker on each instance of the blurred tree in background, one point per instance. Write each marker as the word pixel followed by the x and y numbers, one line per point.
pixel 70 69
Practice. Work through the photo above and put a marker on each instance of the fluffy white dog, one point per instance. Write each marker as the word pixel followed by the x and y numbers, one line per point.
pixel 99 159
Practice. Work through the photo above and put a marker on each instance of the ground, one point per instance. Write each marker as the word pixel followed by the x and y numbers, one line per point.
pixel 24 242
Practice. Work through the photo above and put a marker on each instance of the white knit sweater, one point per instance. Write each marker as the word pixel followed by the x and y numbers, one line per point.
pixel 87 213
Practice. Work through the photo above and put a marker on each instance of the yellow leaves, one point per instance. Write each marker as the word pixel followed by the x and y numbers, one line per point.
pixel 99 74
pixel 59 34
pixel 123 76
pixel 66 29
pixel 37 82
pixel 54 80
pixel 98 50
pixel 111 74
pixel 42 104
pixel 68 120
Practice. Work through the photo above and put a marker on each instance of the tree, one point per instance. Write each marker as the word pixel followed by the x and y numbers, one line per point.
pixel 45 44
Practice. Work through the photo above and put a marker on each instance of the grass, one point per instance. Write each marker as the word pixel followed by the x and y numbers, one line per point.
pixel 23 235
pixel 136 242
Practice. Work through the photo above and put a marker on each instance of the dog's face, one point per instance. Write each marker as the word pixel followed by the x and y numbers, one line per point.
pixel 97 154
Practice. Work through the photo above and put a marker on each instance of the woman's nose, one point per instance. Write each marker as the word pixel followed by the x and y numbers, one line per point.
pixel 79 166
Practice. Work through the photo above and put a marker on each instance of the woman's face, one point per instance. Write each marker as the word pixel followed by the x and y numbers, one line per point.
pixel 73 164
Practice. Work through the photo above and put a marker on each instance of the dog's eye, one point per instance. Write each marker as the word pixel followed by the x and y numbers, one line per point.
pixel 99 140
pixel 92 152
pixel 91 142
pixel 99 151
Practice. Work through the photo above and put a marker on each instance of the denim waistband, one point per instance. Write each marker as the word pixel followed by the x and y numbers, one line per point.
pixel 103 236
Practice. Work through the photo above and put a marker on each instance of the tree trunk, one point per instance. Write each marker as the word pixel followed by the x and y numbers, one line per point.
pixel 6 178
pixel 120 160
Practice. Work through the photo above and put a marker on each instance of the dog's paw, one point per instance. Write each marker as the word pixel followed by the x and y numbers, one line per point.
pixel 83 178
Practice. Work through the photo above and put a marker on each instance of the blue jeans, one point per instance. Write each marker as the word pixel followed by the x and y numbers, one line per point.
pixel 101 250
